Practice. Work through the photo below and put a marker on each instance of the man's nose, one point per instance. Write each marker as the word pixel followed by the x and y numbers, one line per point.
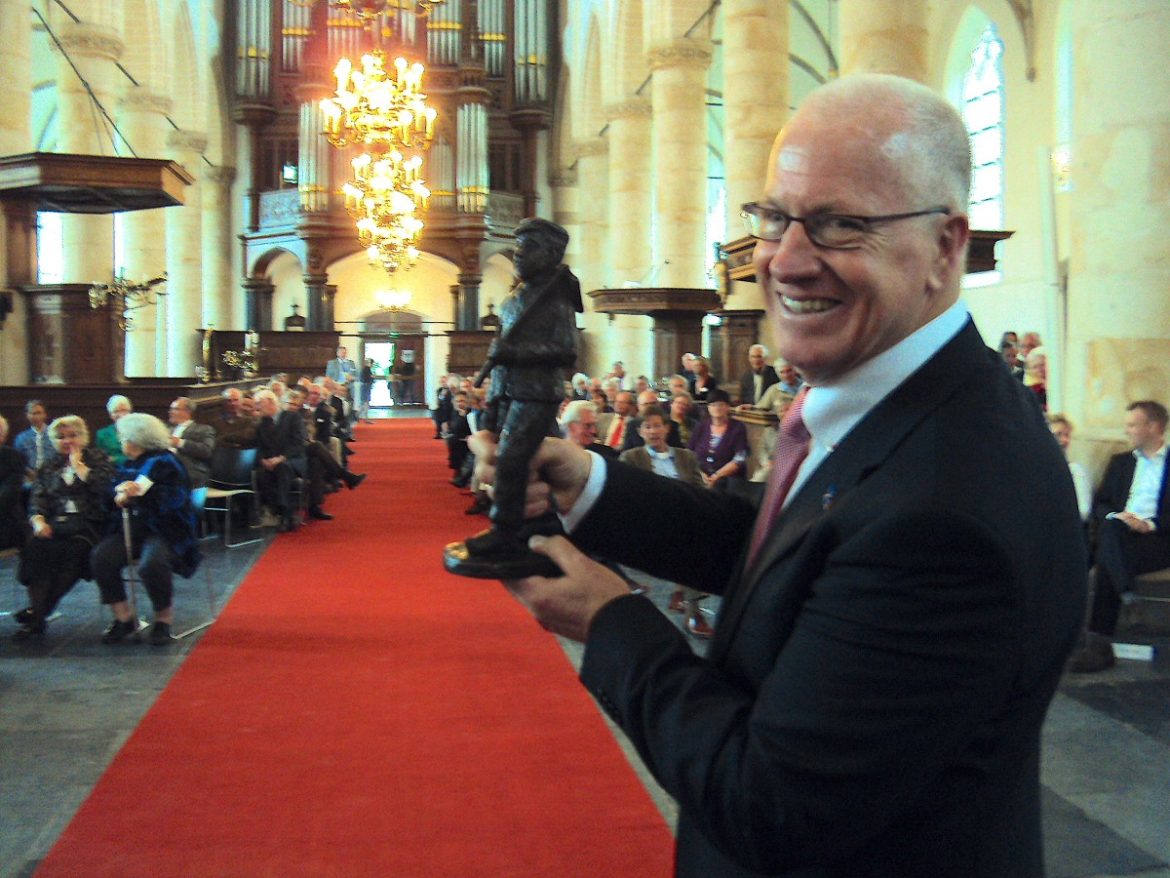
pixel 791 258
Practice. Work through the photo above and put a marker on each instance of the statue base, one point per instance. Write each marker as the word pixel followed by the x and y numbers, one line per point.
pixel 496 555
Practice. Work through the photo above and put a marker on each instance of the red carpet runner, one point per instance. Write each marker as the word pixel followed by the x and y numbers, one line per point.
pixel 356 711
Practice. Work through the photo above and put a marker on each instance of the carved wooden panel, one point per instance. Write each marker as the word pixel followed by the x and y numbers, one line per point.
pixel 69 342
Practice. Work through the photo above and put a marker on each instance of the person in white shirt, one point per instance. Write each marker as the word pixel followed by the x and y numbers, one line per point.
pixel 1131 515
pixel 192 442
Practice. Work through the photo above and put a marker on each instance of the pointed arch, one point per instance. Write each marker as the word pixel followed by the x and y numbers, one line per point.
pixel 591 113
pixel 629 68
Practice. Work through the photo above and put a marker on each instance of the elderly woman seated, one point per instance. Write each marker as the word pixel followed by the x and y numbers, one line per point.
pixel 107 437
pixel 68 511
pixel 154 487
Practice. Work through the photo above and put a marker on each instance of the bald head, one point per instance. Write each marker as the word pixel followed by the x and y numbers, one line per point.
pixel 914 129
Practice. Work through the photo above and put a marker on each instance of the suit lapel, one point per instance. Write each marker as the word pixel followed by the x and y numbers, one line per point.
pixel 861 452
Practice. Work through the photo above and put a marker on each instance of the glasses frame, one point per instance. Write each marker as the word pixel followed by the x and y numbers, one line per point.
pixel 753 209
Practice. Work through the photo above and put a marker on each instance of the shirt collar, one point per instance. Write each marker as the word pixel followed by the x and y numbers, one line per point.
pixel 831 410
pixel 1160 454
pixel 661 455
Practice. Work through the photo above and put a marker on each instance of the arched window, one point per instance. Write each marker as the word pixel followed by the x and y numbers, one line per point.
pixel 983 111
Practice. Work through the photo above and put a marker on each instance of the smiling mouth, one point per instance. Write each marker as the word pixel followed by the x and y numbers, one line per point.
pixel 807 306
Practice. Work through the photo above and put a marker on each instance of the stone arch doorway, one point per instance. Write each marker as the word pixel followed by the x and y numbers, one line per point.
pixel 396 342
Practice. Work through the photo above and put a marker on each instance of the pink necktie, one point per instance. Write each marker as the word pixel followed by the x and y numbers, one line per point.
pixel 791 450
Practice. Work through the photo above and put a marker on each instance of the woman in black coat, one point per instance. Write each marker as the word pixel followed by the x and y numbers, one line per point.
pixel 68 510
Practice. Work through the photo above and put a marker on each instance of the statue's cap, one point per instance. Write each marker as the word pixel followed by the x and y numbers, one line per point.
pixel 546 229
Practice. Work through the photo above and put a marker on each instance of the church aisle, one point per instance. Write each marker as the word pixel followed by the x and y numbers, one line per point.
pixel 357 711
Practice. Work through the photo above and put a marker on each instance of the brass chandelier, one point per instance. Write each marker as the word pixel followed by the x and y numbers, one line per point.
pixel 385 198
pixel 378 108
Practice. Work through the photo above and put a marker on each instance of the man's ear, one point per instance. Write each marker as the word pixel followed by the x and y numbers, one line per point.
pixel 950 257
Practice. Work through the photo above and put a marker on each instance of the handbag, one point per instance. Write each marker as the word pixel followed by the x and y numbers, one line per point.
pixel 70 524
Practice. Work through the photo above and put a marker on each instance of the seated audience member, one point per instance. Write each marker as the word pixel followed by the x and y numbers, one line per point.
pixel 677 384
pixel 601 402
pixel 233 427
pixel 12 529
pixel 321 463
pixel 68 511
pixel 688 366
pixel 704 383
pixel 34 443
pixel 647 400
pixel 777 398
pixel 280 440
pixel 790 380
pixel 154 486
pixel 459 430
pixel 580 384
pixel 248 411
pixel 1035 367
pixel 720 444
pixel 1131 516
pixel 107 437
pixel 618 375
pixel 759 376
pixel 579 426
pixel 612 428
pixel 681 415
pixel 194 443
pixel 656 456
pixel 1011 358
pixel 444 406
pixel 641 385
pixel 1062 430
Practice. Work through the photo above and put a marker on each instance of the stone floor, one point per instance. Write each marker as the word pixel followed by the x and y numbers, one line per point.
pixel 68 703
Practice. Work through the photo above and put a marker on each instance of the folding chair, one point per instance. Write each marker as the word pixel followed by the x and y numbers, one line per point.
pixel 231 477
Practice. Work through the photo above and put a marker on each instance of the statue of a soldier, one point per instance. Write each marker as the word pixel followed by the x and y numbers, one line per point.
pixel 537 341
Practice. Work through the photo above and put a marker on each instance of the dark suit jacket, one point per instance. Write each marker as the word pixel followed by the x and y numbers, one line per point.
pixel 684 461
pixel 872 699
pixel 747 384
pixel 196 450
pixel 633 438
pixel 284 435
pixel 1113 493
pixel 12 519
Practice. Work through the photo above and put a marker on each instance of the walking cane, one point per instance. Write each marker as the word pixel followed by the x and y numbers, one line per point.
pixel 131 572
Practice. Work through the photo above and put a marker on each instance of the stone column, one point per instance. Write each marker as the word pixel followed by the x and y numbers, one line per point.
pixel 15 77
pixel 1118 337
pixel 629 190
pixel 258 304
pixel 183 306
pixel 219 280
pixel 755 52
pixel 885 36
pixel 565 213
pixel 94 49
pixel 592 176
pixel 680 162
pixel 142 118
pixel 18 226
pixel 592 267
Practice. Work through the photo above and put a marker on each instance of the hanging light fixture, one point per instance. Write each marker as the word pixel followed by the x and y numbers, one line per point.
pixel 377 108
pixel 385 198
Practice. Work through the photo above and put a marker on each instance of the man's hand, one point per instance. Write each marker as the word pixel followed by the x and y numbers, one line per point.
pixel 566 605
pixel 1137 525
pixel 176 442
pixel 557 473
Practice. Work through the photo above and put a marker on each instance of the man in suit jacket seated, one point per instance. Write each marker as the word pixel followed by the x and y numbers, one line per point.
pixel 579 425
pixel 648 400
pixel 193 443
pixel 1131 517
pixel 280 440
pixel 758 378
pixel 656 455
pixel 889 642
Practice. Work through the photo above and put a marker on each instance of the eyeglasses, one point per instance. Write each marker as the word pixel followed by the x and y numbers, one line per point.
pixel 835 231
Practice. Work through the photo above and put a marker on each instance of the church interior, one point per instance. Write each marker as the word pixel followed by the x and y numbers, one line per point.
pixel 190 209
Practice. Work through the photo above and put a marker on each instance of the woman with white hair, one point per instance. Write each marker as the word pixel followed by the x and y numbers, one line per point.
pixel 107 437
pixel 155 487
pixel 68 511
